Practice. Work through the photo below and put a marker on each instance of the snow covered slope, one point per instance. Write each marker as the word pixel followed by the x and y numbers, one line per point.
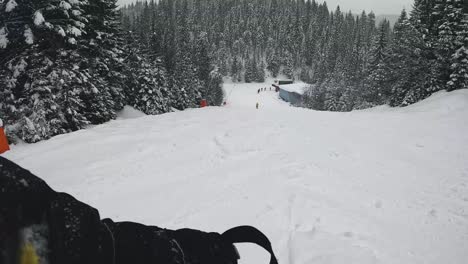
pixel 375 186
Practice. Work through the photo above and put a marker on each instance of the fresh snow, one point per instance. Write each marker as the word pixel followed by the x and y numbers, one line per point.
pixel 60 31
pixel 384 185
pixel 3 38
pixel 76 12
pixel 10 6
pixel 80 25
pixel 38 18
pixel 74 31
pixel 28 36
pixel 19 68
pixel 65 5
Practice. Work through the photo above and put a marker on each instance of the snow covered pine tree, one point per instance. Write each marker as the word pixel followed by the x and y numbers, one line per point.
pixel 59 63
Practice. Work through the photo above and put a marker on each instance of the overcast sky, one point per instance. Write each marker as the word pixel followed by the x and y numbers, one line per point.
pixel 380 7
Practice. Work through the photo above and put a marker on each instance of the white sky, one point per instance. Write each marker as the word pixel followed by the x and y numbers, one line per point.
pixel 380 7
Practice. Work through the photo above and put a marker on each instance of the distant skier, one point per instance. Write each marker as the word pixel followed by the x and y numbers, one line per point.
pixel 256 105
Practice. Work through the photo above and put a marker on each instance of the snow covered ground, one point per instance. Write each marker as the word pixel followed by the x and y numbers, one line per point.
pixel 375 186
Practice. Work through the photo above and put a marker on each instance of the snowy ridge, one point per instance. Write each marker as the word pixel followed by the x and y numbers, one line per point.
pixel 385 185
pixel 441 102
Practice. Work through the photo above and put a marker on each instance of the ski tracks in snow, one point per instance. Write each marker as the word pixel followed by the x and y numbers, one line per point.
pixel 311 239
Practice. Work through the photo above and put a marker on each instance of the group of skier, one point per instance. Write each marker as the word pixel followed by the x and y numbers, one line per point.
pixel 258 91
pixel 262 90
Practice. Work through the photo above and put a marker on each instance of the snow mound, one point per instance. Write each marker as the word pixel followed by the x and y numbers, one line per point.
pixel 130 113
pixel 442 102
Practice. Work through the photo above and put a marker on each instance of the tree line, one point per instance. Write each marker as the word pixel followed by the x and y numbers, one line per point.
pixel 350 61
pixel 425 52
pixel 66 64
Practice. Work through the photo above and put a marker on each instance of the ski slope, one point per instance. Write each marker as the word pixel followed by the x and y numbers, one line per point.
pixel 376 186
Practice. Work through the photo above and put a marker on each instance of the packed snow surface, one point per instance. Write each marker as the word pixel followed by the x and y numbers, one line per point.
pixel 376 186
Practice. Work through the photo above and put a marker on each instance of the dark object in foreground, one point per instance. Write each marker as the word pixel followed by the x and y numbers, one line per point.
pixel 39 225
